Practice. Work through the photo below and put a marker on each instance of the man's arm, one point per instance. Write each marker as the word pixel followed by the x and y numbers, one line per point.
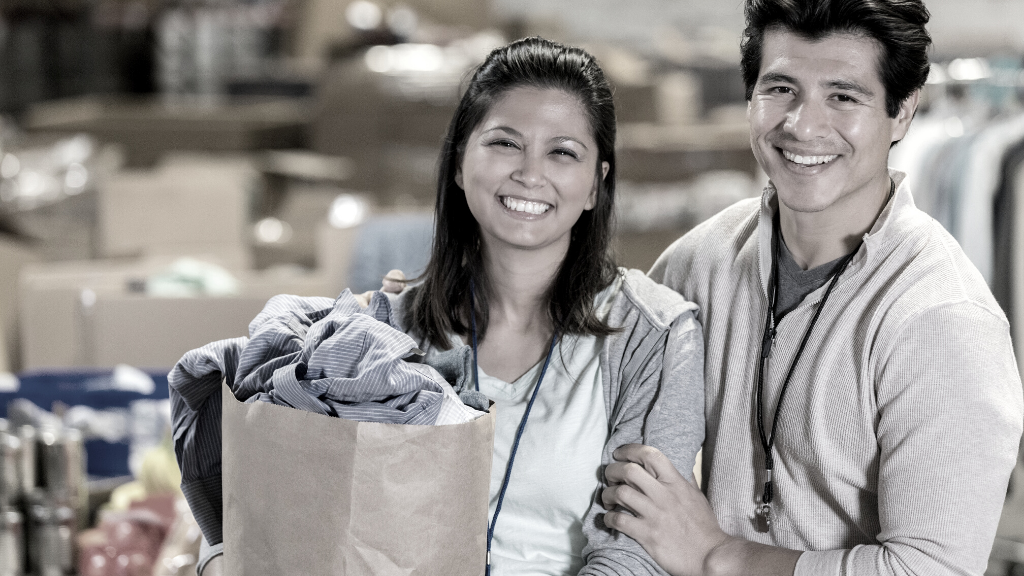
pixel 949 423
pixel 672 520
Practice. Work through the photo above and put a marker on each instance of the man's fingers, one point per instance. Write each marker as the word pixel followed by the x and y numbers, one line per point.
pixel 652 460
pixel 625 523
pixel 394 281
pixel 625 496
pixel 632 474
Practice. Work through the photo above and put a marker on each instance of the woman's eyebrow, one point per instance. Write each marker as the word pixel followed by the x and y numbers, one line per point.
pixel 513 132
pixel 561 139
pixel 506 129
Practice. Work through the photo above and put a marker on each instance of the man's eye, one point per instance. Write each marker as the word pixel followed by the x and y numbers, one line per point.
pixel 780 90
pixel 845 98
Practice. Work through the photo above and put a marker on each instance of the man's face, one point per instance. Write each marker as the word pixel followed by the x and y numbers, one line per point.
pixel 818 124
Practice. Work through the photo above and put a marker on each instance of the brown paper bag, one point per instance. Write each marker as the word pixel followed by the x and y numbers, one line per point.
pixel 310 495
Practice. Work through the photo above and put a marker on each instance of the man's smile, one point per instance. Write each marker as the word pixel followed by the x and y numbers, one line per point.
pixel 808 160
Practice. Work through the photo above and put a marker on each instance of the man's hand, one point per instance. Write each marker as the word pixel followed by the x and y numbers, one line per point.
pixel 673 521
pixel 394 282
pixel 670 518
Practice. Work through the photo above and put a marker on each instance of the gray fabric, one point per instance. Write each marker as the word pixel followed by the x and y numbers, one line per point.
pixel 903 418
pixel 390 241
pixel 315 354
pixel 795 283
pixel 207 552
pixel 456 366
pixel 652 371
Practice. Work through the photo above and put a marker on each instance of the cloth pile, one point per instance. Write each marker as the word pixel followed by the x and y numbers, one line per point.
pixel 325 356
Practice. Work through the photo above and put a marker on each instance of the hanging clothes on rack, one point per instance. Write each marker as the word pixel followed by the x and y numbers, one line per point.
pixel 964 157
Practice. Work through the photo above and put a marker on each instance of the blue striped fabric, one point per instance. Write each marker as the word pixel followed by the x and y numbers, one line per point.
pixel 315 354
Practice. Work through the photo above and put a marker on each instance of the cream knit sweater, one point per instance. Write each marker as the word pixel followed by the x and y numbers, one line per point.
pixel 903 418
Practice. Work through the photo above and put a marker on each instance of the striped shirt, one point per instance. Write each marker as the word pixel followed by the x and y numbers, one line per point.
pixel 316 354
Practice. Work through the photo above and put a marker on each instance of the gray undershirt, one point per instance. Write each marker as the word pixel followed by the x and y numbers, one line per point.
pixel 796 283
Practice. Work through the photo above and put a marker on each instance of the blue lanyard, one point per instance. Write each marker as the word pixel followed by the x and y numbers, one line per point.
pixel 522 423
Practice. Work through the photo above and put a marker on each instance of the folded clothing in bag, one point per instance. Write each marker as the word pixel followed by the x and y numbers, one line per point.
pixel 325 356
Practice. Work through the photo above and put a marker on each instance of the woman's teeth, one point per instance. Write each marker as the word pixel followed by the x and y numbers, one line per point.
pixel 809 160
pixel 525 206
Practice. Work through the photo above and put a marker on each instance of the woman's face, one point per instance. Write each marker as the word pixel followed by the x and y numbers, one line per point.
pixel 529 169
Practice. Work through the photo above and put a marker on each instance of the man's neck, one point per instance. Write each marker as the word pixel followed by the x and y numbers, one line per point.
pixel 816 238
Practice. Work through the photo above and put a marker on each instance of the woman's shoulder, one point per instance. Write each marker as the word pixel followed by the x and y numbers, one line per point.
pixel 658 304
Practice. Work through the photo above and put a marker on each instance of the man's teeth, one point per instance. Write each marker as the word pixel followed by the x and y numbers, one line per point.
pixel 525 206
pixel 809 160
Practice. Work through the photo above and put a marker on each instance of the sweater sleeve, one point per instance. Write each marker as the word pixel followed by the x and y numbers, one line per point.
pixel 949 424
pixel 661 406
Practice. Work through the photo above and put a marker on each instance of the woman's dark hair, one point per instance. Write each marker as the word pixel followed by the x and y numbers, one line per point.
pixel 897 25
pixel 441 305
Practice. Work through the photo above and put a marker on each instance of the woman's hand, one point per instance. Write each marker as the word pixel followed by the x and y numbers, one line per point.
pixel 394 282
pixel 670 518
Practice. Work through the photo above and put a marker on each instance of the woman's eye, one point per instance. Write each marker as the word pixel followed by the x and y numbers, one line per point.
pixel 565 152
pixel 504 144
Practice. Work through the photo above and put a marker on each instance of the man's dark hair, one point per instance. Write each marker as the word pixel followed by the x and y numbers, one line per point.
pixel 441 304
pixel 897 25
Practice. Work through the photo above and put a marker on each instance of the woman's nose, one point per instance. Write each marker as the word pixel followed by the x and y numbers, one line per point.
pixel 530 172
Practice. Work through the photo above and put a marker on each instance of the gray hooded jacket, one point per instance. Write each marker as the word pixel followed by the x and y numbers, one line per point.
pixel 653 375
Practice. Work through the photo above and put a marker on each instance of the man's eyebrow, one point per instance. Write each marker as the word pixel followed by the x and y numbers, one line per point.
pixel 850 86
pixel 771 77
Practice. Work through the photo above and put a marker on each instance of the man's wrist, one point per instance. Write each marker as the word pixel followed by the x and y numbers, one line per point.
pixel 721 559
pixel 738 557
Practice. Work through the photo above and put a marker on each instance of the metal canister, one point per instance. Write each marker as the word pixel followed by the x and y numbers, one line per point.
pixel 12 542
pixel 27 463
pixel 62 463
pixel 51 537
pixel 10 456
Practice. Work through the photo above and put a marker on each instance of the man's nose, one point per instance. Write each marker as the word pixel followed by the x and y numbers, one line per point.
pixel 807 120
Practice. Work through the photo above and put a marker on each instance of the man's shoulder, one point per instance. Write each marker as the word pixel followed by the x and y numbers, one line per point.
pixel 739 219
pixel 931 271
pixel 715 242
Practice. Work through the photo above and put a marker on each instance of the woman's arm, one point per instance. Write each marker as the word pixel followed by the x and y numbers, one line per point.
pixel 658 401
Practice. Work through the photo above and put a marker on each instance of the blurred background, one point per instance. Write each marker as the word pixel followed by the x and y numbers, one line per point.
pixel 168 165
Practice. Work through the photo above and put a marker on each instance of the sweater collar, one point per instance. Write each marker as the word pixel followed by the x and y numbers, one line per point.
pixel 874 240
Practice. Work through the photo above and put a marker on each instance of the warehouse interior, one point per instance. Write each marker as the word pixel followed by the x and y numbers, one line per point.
pixel 167 166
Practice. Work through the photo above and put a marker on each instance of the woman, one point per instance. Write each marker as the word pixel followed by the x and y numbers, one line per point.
pixel 578 356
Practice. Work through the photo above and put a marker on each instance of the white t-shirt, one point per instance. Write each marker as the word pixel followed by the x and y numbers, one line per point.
pixel 557 466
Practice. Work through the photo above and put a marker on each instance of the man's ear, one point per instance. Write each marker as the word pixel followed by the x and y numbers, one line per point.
pixel 901 123
pixel 592 199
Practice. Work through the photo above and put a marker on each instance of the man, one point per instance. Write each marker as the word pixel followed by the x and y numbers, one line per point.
pixel 863 404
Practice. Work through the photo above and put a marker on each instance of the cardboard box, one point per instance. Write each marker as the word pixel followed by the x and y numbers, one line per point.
pixel 14 254
pixel 186 206
pixel 96 313
pixel 149 128
pixel 155 332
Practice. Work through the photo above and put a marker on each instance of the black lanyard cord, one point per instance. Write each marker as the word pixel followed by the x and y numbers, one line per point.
pixel 768 339
pixel 519 430
pixel 767 443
